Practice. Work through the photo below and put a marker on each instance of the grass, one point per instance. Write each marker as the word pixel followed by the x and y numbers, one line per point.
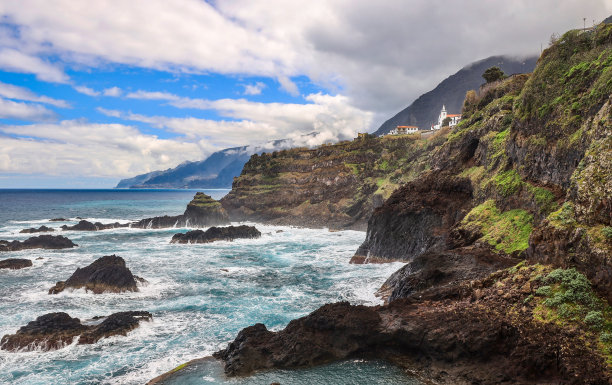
pixel 507 182
pixel 507 232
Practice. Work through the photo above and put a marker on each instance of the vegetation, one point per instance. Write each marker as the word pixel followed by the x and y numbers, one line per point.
pixel 493 74
pixel 507 232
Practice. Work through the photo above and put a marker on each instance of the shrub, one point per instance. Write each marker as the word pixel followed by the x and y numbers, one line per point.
pixel 595 319
pixel 493 74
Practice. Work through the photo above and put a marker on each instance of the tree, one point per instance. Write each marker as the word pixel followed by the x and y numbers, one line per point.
pixel 446 122
pixel 493 74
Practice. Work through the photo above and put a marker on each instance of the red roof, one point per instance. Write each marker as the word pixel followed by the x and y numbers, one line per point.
pixel 407 127
pixel 453 115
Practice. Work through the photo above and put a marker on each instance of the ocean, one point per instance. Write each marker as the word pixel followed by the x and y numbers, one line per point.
pixel 200 296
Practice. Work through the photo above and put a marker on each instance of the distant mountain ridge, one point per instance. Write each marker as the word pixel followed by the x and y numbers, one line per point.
pixel 424 111
pixel 216 171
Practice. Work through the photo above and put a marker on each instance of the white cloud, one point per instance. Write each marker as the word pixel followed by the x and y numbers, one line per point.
pixel 146 95
pixel 253 89
pixel 87 91
pixel 16 61
pixel 11 91
pixel 113 91
pixel 24 111
pixel 81 148
pixel 381 54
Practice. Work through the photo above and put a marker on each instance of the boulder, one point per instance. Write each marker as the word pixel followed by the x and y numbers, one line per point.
pixel 106 274
pixel 55 330
pixel 15 263
pixel 41 229
pixel 39 242
pixel 216 234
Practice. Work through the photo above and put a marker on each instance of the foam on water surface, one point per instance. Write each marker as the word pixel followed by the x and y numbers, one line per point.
pixel 200 295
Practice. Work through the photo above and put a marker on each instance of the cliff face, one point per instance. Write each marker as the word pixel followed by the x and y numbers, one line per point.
pixel 336 186
pixel 536 152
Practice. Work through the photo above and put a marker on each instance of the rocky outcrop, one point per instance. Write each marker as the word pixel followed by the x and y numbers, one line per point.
pixel 84 225
pixel 55 330
pixel 58 220
pixel 15 263
pixel 106 274
pixel 440 274
pixel 470 339
pixel 416 218
pixel 216 234
pixel 202 211
pixel 39 242
pixel 41 229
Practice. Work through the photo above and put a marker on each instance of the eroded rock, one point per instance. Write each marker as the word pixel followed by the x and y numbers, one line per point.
pixel 39 242
pixel 15 263
pixel 41 229
pixel 216 234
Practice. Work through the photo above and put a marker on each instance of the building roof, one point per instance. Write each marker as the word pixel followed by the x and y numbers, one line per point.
pixel 452 115
pixel 407 127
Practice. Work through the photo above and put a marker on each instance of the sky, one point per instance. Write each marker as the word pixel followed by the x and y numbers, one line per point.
pixel 92 92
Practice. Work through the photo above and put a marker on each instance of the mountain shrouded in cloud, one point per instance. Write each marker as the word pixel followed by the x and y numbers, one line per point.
pixel 177 81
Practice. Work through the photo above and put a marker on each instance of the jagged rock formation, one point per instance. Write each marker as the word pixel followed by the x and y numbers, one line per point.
pixel 39 242
pixel 41 229
pixel 202 211
pixel 84 225
pixel 216 234
pixel 424 111
pixel 15 263
pixel 106 274
pixel 55 330
pixel 415 219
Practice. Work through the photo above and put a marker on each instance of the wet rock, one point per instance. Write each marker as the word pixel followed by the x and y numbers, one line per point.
pixel 39 242
pixel 216 234
pixel 55 330
pixel 41 229
pixel 58 220
pixel 15 263
pixel 84 225
pixel 159 222
pixel 106 274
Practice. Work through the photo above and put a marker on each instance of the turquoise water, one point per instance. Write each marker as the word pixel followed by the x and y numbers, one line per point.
pixel 200 295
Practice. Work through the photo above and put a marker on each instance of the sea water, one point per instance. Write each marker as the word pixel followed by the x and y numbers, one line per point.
pixel 200 296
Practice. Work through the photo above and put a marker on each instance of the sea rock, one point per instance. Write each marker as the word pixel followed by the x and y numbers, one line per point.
pixel 15 263
pixel 416 218
pixel 216 234
pixel 55 330
pixel 106 274
pixel 84 225
pixel 58 220
pixel 39 242
pixel 202 211
pixel 41 229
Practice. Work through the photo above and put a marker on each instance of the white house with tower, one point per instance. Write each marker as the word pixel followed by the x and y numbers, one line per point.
pixel 454 119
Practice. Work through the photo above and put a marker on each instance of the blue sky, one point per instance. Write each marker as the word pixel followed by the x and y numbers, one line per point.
pixel 91 94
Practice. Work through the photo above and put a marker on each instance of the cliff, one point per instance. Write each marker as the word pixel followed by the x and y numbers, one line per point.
pixel 335 186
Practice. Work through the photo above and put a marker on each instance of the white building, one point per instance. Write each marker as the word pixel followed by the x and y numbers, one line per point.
pixel 454 119
pixel 404 130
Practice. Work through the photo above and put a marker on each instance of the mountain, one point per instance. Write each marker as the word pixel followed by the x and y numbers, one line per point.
pixel 424 111
pixel 216 171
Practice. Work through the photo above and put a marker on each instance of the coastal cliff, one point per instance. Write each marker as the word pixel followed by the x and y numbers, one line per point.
pixel 336 186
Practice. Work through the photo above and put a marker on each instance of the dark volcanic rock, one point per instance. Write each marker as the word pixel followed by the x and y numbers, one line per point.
pixel 438 275
pixel 84 225
pixel 472 339
pixel 58 220
pixel 416 218
pixel 202 211
pixel 39 242
pixel 41 229
pixel 216 234
pixel 55 330
pixel 15 263
pixel 106 274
